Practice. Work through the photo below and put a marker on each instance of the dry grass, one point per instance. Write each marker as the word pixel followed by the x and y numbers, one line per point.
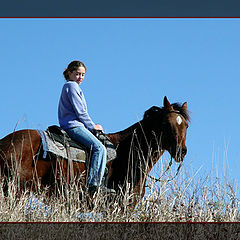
pixel 188 197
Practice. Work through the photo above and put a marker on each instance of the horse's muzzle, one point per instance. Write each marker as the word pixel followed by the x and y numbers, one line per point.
pixel 180 154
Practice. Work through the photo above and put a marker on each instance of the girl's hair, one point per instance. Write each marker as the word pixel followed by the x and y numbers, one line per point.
pixel 74 65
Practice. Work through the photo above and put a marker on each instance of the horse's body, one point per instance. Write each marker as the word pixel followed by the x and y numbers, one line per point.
pixel 138 149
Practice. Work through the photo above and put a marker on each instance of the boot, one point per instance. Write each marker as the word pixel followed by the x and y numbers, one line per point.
pixel 106 190
pixel 102 189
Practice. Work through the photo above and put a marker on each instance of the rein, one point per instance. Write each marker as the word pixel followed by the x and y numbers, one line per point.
pixel 169 165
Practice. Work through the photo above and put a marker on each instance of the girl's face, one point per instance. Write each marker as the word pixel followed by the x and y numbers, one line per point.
pixel 77 75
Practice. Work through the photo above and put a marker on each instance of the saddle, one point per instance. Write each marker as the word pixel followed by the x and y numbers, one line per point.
pixel 56 141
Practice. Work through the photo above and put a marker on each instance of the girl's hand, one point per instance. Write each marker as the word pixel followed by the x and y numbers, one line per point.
pixel 98 127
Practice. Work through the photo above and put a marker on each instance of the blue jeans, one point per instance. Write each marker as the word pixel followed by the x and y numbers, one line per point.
pixel 98 153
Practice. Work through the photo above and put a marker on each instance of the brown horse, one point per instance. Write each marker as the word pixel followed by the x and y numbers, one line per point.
pixel 138 149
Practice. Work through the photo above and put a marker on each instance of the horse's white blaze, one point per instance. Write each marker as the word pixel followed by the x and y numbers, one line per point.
pixel 179 120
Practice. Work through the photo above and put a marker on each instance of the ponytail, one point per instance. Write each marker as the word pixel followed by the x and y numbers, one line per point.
pixel 65 74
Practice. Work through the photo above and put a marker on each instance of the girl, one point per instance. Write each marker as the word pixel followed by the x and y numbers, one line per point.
pixel 74 119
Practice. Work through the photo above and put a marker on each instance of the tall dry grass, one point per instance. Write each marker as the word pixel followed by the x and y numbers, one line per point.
pixel 190 196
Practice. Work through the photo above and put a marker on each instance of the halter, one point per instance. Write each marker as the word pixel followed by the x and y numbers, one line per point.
pixel 175 111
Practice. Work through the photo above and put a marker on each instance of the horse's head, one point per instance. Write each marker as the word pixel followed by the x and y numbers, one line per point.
pixel 175 124
pixel 170 123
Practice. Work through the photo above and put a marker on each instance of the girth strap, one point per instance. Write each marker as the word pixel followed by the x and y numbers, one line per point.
pixel 70 173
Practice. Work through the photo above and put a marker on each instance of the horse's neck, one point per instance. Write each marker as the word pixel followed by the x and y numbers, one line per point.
pixel 120 136
pixel 139 133
pixel 141 130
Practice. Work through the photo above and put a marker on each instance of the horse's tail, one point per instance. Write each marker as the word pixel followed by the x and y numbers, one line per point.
pixel 4 169
pixel 9 153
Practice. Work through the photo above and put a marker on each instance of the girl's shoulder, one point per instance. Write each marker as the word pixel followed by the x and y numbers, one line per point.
pixel 71 84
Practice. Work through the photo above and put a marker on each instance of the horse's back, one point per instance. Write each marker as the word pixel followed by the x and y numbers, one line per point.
pixel 14 140
pixel 19 147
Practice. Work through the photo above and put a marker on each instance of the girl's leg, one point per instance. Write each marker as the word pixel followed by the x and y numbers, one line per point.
pixel 98 150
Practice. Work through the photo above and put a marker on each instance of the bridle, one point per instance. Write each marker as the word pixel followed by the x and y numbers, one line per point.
pixel 170 163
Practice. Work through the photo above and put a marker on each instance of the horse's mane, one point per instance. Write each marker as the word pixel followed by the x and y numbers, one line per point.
pixel 183 112
pixel 151 112
pixel 176 106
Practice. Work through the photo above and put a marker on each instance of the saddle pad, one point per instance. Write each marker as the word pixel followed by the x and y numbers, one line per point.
pixel 57 148
pixel 78 153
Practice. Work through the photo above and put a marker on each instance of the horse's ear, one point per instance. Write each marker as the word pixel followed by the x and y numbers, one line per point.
pixel 184 106
pixel 167 104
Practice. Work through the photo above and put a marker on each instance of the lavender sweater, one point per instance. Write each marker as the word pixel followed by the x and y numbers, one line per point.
pixel 72 108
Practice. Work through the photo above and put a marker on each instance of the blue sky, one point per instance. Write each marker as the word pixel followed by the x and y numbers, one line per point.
pixel 132 64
